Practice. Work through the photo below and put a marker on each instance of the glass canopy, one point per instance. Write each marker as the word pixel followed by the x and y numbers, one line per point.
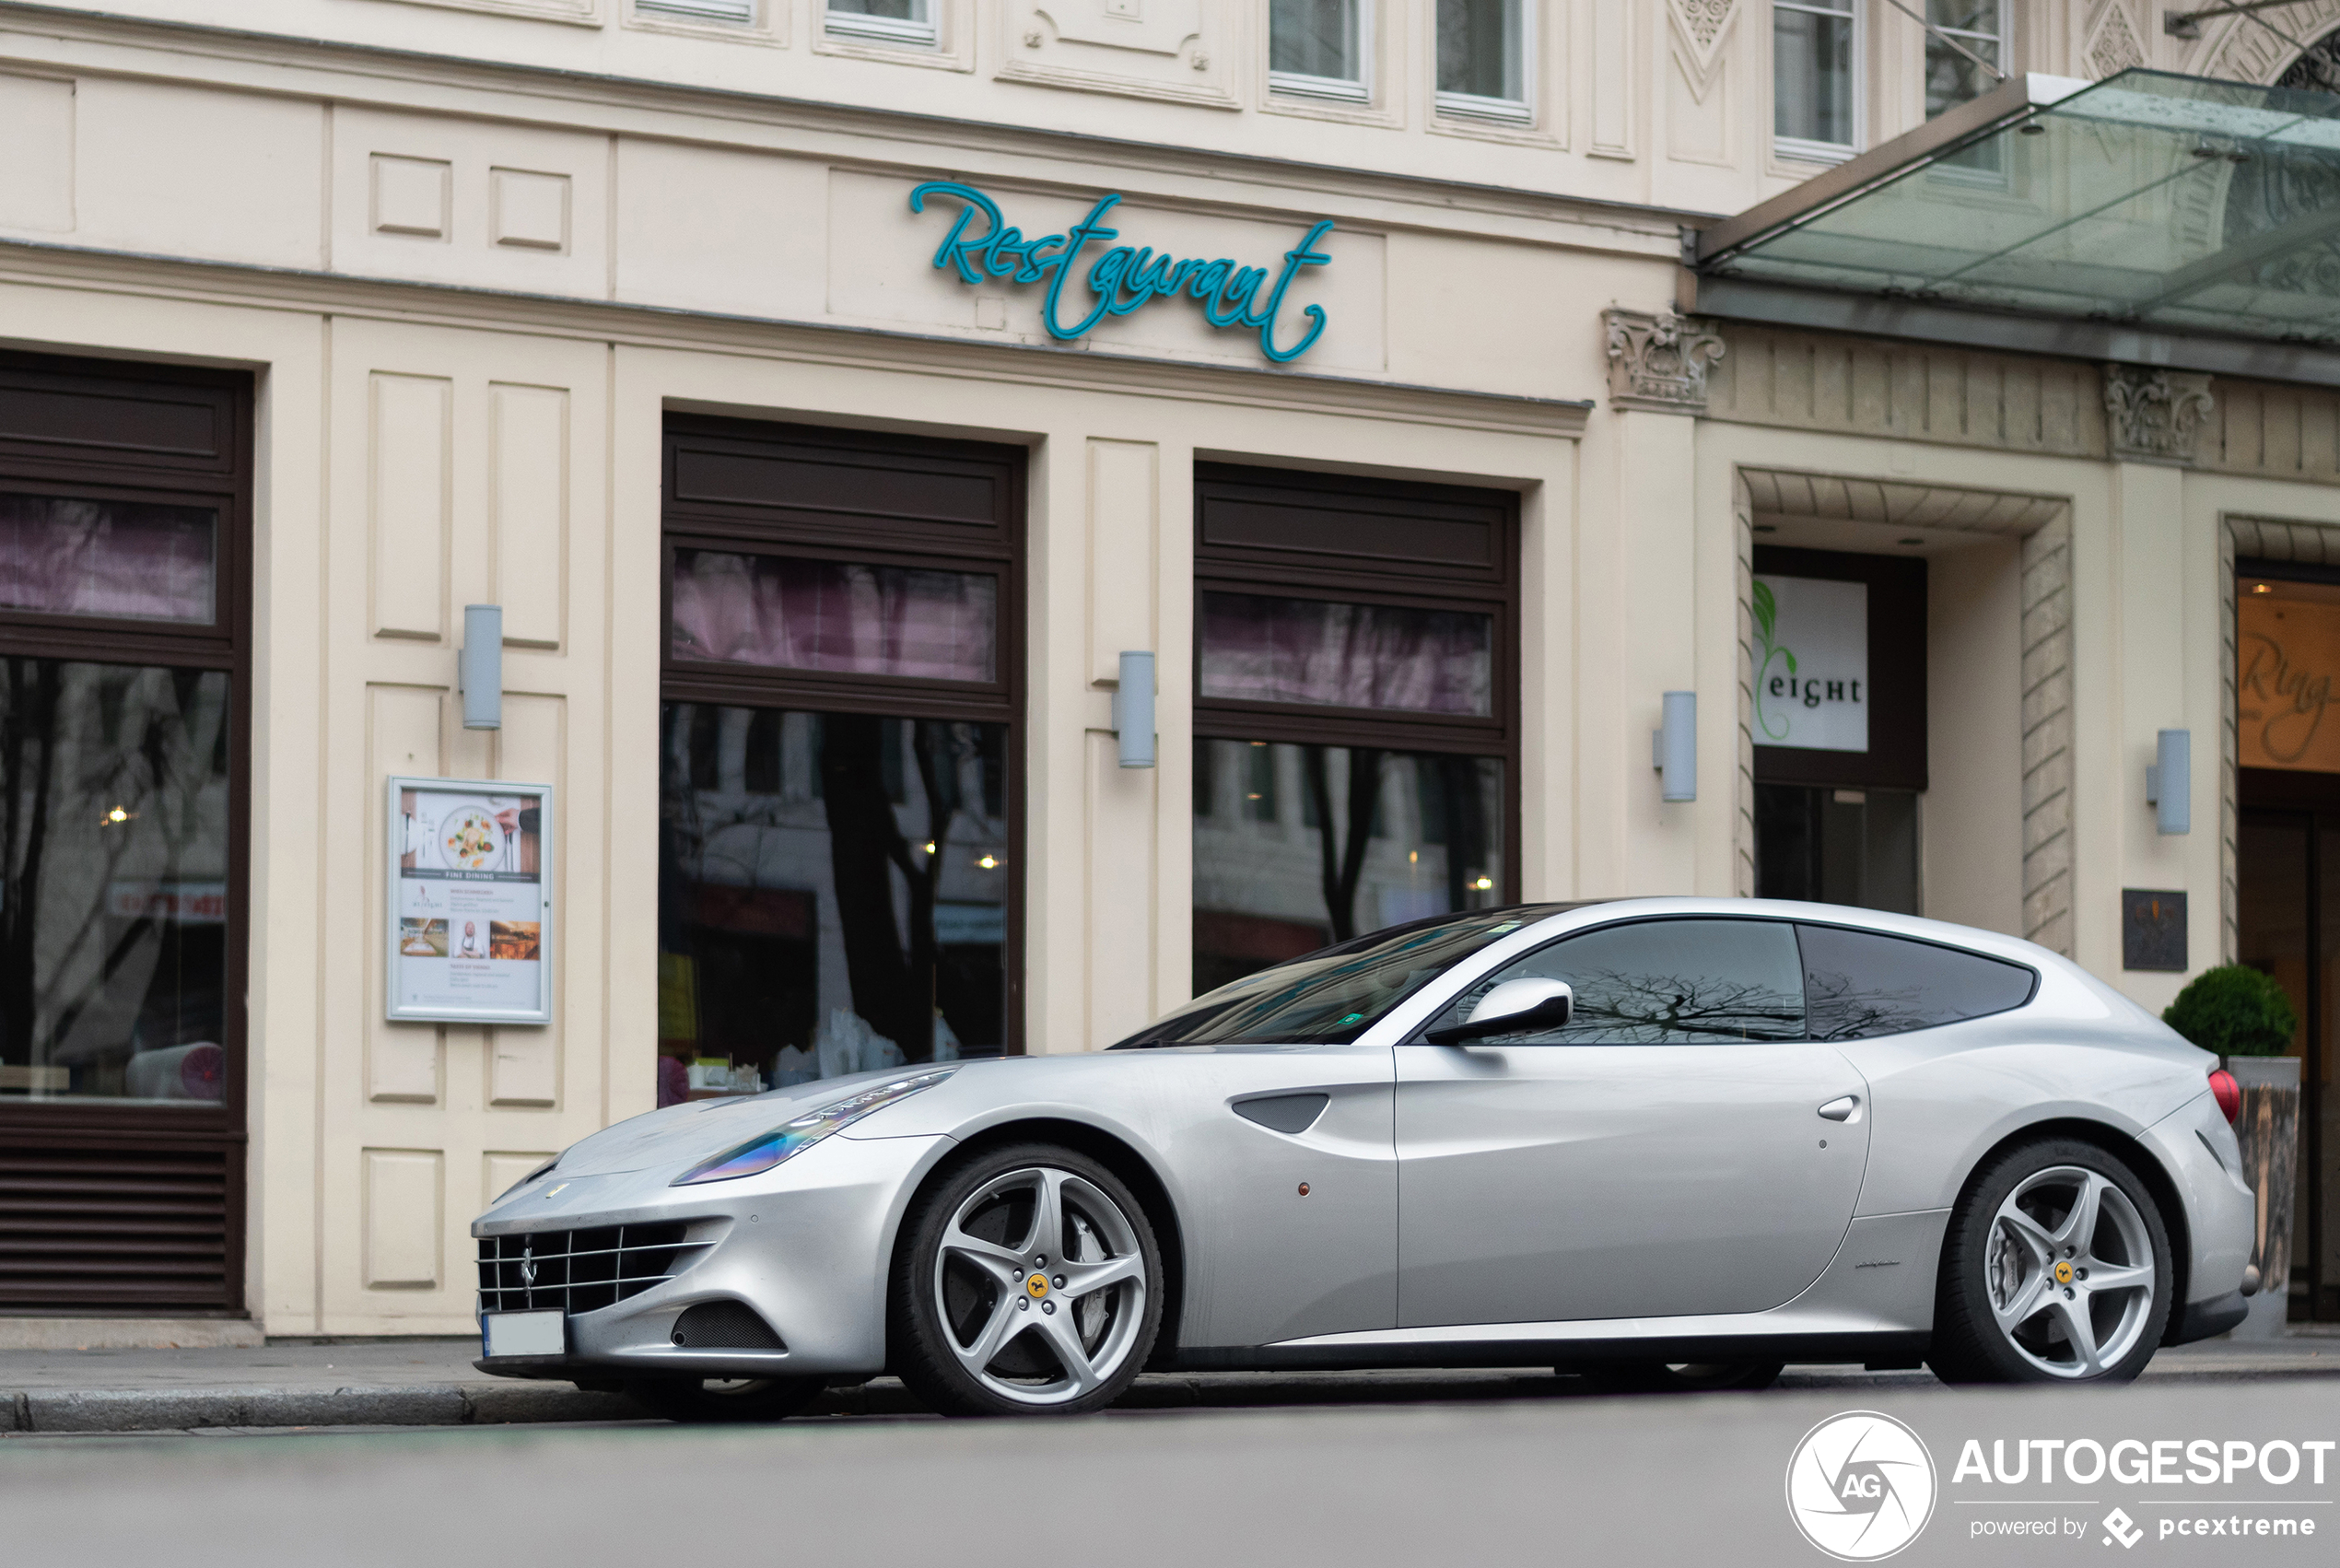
pixel 2157 200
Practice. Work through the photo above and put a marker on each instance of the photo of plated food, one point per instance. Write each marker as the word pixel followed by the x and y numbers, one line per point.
pixel 513 939
pixel 470 838
pixel 422 938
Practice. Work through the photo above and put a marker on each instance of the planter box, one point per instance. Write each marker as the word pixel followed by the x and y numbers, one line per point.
pixel 2268 1129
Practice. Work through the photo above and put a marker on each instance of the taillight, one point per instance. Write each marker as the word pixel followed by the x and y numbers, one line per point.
pixel 2228 1092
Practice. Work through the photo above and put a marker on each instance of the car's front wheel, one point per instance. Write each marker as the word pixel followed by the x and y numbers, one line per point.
pixel 1028 1283
pixel 2056 1269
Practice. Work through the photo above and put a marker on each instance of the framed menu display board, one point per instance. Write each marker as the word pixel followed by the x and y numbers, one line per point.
pixel 471 901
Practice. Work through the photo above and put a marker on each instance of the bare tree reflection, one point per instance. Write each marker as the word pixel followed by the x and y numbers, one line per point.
pixel 1614 1007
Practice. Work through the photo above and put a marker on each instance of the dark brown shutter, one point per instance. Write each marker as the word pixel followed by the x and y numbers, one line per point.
pixel 115 1227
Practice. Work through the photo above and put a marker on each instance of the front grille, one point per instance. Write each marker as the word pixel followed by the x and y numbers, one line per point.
pixel 580 1271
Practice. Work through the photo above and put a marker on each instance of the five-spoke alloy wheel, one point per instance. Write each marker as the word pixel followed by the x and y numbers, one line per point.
pixel 1028 1281
pixel 2057 1270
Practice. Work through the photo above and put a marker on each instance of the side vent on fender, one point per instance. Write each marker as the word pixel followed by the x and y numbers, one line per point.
pixel 1284 1113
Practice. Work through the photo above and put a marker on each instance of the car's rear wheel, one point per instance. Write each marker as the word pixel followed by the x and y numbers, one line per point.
pixel 1680 1378
pixel 2056 1269
pixel 1028 1283
pixel 725 1398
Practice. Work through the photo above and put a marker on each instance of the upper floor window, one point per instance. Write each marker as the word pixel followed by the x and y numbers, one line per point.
pixel 894 21
pixel 1482 59
pixel 741 13
pixel 1317 49
pixel 1815 92
pixel 1979 28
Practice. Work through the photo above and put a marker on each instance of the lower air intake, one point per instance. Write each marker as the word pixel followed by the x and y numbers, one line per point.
pixel 725 1326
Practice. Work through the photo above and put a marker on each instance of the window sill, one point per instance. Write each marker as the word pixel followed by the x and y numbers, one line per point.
pixel 1486 111
pixel 879 29
pixel 1325 90
pixel 1793 149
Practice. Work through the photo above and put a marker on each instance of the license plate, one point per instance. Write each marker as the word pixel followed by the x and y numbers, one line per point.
pixel 525 1334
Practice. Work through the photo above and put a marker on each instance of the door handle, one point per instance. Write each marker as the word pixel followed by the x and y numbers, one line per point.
pixel 1841 1108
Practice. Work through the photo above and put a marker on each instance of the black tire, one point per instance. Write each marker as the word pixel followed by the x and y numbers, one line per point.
pixel 696 1400
pixel 999 1190
pixel 1680 1378
pixel 1984 1259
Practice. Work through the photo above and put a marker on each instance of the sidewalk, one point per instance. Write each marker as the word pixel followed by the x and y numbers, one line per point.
pixel 432 1383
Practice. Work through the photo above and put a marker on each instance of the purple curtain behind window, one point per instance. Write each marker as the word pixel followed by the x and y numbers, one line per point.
pixel 119 558
pixel 859 620
pixel 1318 651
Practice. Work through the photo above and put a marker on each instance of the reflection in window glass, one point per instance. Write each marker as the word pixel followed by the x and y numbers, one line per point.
pixel 1858 985
pixel 1307 844
pixel 140 562
pixel 801 614
pixel 1334 996
pixel 1257 648
pixel 113 882
pixel 832 895
pixel 1664 982
pixel 1483 58
pixel 1812 88
pixel 906 22
pixel 1317 47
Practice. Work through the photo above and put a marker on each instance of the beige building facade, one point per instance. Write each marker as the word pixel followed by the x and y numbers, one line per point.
pixel 473 284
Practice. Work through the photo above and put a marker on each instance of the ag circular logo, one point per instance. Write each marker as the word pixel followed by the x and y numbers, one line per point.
pixel 1860 1486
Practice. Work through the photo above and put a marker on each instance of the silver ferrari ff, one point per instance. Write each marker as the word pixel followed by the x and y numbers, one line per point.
pixel 1660 1141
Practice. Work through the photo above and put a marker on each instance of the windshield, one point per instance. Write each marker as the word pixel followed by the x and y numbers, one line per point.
pixel 1331 996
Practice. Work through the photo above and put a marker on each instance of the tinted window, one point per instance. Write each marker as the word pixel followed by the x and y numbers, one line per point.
pixel 1331 997
pixel 1666 982
pixel 1858 985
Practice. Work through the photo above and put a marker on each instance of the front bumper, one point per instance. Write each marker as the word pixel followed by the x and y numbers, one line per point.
pixel 807 1245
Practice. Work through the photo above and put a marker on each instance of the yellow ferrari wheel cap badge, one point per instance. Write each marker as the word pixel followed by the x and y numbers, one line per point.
pixel 1037 1286
pixel 2063 1273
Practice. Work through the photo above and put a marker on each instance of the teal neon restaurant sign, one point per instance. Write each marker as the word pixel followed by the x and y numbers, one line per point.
pixel 1122 280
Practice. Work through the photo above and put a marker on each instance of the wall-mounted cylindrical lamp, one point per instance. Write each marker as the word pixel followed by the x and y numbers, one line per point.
pixel 2169 781
pixel 1133 710
pixel 479 668
pixel 1673 748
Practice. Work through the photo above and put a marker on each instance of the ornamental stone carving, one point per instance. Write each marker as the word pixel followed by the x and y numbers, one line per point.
pixel 1659 362
pixel 2154 415
pixel 2115 46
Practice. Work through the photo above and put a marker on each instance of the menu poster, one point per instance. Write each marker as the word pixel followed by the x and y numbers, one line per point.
pixel 471 901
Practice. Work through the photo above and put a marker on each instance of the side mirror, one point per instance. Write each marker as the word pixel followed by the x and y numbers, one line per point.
pixel 1513 1008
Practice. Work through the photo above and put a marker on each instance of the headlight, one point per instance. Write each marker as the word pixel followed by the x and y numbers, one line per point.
pixel 761 1154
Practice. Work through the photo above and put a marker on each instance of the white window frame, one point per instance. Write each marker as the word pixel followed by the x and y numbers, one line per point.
pixel 1492 111
pixel 885 30
pixel 1335 89
pixel 1799 149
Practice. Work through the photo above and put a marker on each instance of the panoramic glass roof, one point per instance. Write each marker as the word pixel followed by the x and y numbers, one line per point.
pixel 2165 201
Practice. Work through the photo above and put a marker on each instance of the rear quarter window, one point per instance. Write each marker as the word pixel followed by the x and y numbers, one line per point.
pixel 1860 985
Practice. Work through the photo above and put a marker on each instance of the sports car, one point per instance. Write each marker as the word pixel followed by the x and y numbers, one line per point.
pixel 1664 1142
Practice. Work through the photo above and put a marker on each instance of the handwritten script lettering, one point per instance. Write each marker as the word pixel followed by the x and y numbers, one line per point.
pixel 1122 279
pixel 2291 701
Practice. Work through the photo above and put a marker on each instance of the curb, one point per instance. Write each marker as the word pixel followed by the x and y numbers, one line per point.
pixel 517 1403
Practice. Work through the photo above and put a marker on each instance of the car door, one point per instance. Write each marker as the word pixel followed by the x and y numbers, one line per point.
pixel 1680 1146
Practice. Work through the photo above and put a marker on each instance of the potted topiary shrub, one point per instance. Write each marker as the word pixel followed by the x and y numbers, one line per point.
pixel 2243 1014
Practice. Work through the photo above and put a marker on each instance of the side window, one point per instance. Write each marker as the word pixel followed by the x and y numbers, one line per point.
pixel 1858 985
pixel 1666 982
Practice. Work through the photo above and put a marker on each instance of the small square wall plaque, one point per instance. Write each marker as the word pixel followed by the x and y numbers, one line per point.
pixel 2152 929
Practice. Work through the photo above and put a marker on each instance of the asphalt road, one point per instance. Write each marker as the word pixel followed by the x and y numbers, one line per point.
pixel 1543 1475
